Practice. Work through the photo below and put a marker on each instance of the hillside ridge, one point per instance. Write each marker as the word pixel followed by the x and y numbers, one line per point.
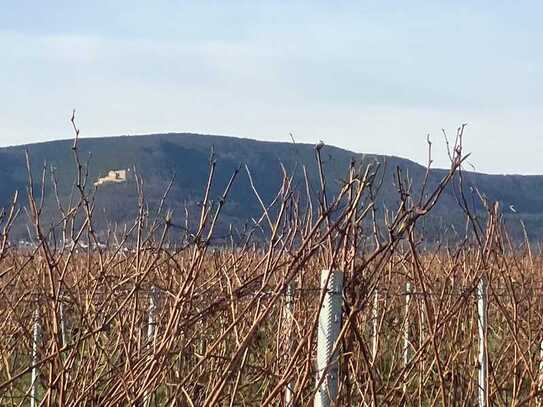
pixel 158 157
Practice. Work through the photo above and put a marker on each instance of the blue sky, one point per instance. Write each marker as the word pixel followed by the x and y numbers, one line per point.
pixel 367 76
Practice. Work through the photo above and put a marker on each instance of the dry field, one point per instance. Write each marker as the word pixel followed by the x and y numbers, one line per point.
pixel 144 321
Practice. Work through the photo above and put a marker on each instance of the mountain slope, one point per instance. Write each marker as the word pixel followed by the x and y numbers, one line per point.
pixel 157 158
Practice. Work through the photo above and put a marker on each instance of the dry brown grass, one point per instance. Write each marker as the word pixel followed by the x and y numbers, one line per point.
pixel 222 334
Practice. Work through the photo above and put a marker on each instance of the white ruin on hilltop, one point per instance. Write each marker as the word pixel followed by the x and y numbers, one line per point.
pixel 113 176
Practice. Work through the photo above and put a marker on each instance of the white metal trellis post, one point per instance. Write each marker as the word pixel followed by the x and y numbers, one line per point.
pixel 62 323
pixel 408 293
pixel 375 326
pixel 288 318
pixel 541 372
pixel 151 332
pixel 36 328
pixel 151 316
pixel 483 355
pixel 328 332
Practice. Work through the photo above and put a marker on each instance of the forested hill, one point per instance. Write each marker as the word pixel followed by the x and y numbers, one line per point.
pixel 159 157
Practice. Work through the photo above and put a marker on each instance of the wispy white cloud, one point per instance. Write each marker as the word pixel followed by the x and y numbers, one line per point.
pixel 370 78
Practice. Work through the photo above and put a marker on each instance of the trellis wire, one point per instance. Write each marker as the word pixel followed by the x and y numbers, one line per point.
pixel 328 329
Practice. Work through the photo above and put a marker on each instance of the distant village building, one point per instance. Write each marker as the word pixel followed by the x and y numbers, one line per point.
pixel 113 176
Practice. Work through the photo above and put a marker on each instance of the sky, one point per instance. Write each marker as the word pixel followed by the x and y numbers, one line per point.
pixel 372 77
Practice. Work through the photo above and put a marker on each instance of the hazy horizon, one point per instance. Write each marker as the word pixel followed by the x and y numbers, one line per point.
pixel 371 78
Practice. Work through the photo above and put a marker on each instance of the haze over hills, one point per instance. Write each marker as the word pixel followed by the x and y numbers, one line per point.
pixel 157 158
